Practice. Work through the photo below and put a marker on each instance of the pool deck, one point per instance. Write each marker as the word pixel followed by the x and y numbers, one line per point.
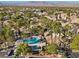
pixel 37 44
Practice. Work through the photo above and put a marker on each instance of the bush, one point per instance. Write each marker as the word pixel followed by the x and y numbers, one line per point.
pixel 51 48
pixel 22 49
pixel 75 43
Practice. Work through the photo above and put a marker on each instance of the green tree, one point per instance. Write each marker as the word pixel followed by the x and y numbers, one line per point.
pixel 22 49
pixel 75 43
pixel 6 33
pixel 56 27
pixel 67 27
pixel 66 30
pixel 51 48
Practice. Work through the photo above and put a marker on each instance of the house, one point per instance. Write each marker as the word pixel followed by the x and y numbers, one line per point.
pixel 47 37
pixel 53 38
pixel 56 38
pixel 63 16
pixel 51 17
pixel 6 17
pixel 74 18
pixel 78 31
pixel 6 22
pixel 63 24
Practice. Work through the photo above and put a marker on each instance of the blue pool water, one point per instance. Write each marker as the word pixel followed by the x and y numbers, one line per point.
pixel 32 40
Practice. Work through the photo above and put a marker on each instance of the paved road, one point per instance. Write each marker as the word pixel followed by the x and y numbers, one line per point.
pixel 75 55
pixel 3 54
pixel 36 56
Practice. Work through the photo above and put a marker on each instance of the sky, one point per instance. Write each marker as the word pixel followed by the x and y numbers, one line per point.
pixel 39 0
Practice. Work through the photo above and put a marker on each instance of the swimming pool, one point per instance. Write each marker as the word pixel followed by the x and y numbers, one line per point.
pixel 32 40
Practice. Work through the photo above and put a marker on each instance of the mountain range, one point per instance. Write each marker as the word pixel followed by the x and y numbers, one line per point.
pixel 41 3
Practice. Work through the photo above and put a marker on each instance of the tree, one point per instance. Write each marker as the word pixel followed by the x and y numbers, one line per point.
pixel 67 27
pixel 51 48
pixel 56 27
pixel 6 33
pixel 75 43
pixel 22 49
pixel 67 31
pixel 1 16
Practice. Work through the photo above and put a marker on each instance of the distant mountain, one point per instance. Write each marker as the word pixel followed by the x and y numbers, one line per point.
pixel 41 3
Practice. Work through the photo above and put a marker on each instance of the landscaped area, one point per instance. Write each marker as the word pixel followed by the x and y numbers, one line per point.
pixel 48 32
